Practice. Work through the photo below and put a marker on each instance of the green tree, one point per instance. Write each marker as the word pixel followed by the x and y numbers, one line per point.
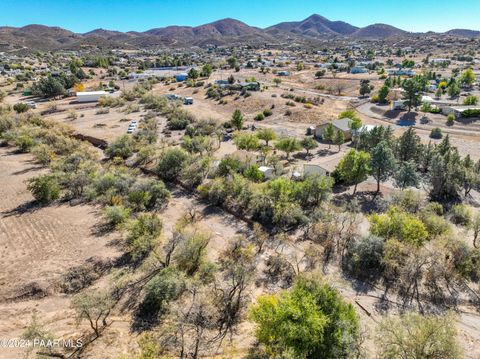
pixel 339 138
pixel 409 146
pixel 453 89
pixel 468 78
pixel 277 81
pixel 267 135
pixel 415 336
pixel 232 62
pixel 350 114
pixel 207 70
pixel 328 134
pixel 383 93
pixel 193 74
pixel 95 307
pixel 413 91
pixel 407 175
pixel 365 87
pixel 237 120
pixel 354 167
pixel 313 190
pixel 288 145
pixel 311 320
pixel 445 175
pixel 308 143
pixel 254 174
pixel 355 125
pixel 48 87
pixel 383 163
pixel 319 74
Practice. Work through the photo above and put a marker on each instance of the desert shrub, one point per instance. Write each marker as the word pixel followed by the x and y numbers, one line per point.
pixel 122 147
pixel 436 133
pixel 72 115
pixel 138 198
pixel 102 111
pixel 399 225
pixel 148 195
pixel 409 200
pixel 415 336
pixel 166 286
pixel 215 191
pixel 116 215
pixel 177 124
pixel 471 112
pixel 253 174
pixel 115 183
pixel 470 100
pixel 44 188
pixel 466 259
pixel 21 107
pixel 365 255
pixel 171 163
pixel 450 120
pixel 267 112
pixel 259 117
pixel 434 207
pixel 435 224
pixel 461 214
pixel 191 253
pixel 152 102
pixel 110 101
pixel 143 235
pixel 24 143
pixel 43 153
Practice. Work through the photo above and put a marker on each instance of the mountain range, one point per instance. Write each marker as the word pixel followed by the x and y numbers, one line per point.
pixel 221 32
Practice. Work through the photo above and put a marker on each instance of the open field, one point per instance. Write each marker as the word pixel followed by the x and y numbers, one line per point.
pixel 39 246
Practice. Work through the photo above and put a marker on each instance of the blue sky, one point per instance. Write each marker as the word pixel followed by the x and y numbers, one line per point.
pixel 141 15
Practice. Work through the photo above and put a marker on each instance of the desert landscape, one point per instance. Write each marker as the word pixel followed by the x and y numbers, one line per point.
pixel 305 190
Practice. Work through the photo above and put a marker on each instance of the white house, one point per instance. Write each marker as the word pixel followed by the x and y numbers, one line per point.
pixel 309 169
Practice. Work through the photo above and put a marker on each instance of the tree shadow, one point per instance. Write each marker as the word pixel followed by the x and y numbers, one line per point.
pixel 27 207
pixel 27 170
pixel 367 201
pixel 326 152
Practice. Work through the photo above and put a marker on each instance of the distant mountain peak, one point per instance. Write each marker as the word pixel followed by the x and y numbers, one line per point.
pixel 226 31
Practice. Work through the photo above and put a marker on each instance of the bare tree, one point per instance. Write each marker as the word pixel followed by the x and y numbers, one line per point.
pixel 93 306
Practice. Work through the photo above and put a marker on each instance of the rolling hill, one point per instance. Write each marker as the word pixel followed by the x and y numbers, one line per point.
pixel 222 32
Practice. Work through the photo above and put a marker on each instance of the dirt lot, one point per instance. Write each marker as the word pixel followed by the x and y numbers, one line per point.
pixel 37 247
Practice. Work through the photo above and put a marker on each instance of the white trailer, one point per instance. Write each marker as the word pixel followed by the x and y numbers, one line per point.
pixel 90 96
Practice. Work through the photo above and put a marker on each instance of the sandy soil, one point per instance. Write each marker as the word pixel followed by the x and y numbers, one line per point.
pixel 37 246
